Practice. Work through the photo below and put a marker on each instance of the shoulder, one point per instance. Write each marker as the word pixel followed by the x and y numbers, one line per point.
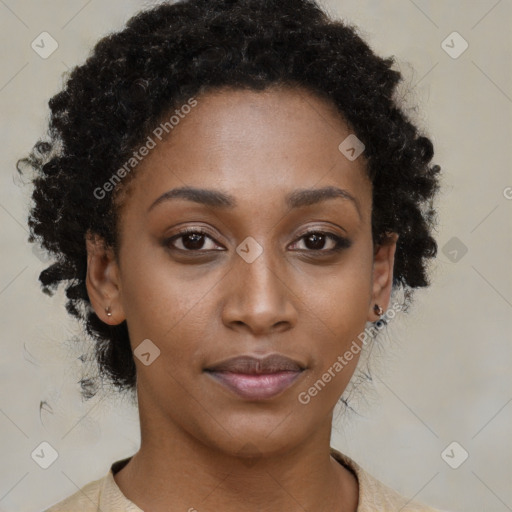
pixel 86 499
pixel 101 494
pixel 375 496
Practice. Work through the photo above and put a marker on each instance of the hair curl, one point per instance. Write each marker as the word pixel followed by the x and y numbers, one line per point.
pixel 171 52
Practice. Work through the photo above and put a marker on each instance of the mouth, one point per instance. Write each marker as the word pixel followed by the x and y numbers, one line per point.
pixel 256 378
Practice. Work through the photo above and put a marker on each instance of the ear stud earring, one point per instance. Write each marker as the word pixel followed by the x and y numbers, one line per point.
pixel 378 310
pixel 108 311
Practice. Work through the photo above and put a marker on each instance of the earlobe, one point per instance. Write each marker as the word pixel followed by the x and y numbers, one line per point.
pixel 382 279
pixel 102 280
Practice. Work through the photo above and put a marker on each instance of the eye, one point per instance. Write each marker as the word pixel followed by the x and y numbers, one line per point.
pixel 191 239
pixel 195 240
pixel 316 240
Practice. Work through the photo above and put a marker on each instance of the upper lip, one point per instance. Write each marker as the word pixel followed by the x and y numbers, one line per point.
pixel 246 364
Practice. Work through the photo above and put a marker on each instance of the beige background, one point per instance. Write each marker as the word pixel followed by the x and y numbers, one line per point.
pixel 444 374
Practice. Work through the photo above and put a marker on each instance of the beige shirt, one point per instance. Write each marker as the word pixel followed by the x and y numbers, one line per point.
pixel 104 495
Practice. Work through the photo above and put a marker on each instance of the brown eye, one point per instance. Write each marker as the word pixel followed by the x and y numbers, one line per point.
pixel 317 240
pixel 191 240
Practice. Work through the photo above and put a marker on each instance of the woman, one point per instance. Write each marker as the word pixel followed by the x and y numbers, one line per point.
pixel 233 193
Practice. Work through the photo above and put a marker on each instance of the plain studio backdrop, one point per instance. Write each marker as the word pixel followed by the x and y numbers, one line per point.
pixel 436 422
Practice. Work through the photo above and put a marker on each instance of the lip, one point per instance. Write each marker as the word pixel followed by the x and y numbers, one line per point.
pixel 247 364
pixel 256 378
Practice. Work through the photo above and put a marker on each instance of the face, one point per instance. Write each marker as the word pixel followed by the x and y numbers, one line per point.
pixel 268 265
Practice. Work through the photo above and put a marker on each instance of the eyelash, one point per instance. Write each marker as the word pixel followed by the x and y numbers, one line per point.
pixel 341 243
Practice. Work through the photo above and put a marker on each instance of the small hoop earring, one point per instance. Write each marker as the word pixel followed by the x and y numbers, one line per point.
pixel 107 309
pixel 378 310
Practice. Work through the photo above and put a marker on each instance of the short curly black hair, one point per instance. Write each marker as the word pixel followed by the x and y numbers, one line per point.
pixel 169 53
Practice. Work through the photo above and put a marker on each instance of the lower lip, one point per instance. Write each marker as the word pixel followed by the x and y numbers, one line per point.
pixel 257 387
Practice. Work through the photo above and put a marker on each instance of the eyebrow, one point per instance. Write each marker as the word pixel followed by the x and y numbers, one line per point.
pixel 218 199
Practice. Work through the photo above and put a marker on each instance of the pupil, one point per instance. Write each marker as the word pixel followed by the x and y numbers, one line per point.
pixel 318 238
pixel 197 241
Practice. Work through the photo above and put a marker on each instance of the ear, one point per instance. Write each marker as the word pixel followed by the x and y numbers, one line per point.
pixel 102 280
pixel 382 282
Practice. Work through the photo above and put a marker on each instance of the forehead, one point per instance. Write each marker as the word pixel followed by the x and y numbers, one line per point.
pixel 259 145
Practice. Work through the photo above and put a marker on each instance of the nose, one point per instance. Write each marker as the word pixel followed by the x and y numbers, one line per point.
pixel 259 297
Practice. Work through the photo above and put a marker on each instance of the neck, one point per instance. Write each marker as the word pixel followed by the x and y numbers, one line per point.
pixel 173 470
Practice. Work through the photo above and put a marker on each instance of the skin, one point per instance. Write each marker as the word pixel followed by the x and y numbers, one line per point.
pixel 293 300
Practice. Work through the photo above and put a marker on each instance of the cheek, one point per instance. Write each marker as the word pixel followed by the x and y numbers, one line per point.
pixel 338 316
pixel 165 305
pixel 340 296
pixel 337 307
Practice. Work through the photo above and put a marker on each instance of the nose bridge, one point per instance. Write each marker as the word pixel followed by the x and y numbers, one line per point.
pixel 260 269
pixel 262 273
pixel 258 297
